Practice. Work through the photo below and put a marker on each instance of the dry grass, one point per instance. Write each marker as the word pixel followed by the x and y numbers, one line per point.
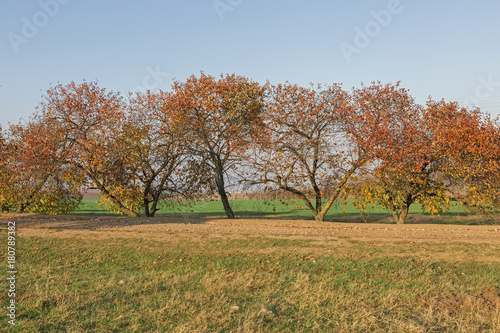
pixel 253 284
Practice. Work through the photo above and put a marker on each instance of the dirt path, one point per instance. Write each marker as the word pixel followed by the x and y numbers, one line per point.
pixel 165 228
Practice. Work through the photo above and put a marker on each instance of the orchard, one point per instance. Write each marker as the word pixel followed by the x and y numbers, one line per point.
pixel 320 143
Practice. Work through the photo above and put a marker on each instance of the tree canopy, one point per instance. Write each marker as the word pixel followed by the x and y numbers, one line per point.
pixel 319 143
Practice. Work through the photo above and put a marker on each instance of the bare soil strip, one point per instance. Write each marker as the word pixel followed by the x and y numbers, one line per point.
pixel 165 228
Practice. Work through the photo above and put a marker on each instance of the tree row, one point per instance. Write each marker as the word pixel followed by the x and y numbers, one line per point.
pixel 321 143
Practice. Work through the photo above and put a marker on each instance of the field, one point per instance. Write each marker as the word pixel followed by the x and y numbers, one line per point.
pixel 197 272
pixel 287 209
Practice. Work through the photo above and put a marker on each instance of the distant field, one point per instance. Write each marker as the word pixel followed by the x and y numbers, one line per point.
pixel 274 208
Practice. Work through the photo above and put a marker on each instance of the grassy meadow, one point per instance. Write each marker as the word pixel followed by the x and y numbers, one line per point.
pixel 286 209
pixel 254 284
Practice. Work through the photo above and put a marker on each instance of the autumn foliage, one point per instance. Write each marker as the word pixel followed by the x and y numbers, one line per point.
pixel 321 143
pixel 34 172
pixel 219 116
pixel 302 148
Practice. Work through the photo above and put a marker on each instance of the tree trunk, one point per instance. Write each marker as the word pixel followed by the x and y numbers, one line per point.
pixel 5 208
pixel 146 208
pixel 145 199
pixel 400 217
pixel 113 199
pixel 403 214
pixel 150 211
pixel 319 216
pixel 153 209
pixel 155 194
pixel 337 192
pixel 219 181
pixel 119 205
pixel 21 208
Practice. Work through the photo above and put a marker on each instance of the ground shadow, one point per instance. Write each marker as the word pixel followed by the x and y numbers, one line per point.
pixel 95 221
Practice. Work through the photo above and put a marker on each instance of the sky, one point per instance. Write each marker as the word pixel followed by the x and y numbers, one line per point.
pixel 446 49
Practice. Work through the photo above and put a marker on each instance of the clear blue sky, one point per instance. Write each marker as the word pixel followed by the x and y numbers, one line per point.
pixel 445 49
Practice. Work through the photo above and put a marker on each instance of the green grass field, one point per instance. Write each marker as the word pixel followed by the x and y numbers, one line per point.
pixel 253 284
pixel 274 208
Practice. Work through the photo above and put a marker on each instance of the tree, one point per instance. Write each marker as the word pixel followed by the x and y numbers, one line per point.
pixel 152 144
pixel 396 185
pixel 409 170
pixel 35 175
pixel 301 145
pixel 89 117
pixel 482 167
pixel 318 140
pixel 437 154
pixel 483 184
pixel 219 116
pixel 472 146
